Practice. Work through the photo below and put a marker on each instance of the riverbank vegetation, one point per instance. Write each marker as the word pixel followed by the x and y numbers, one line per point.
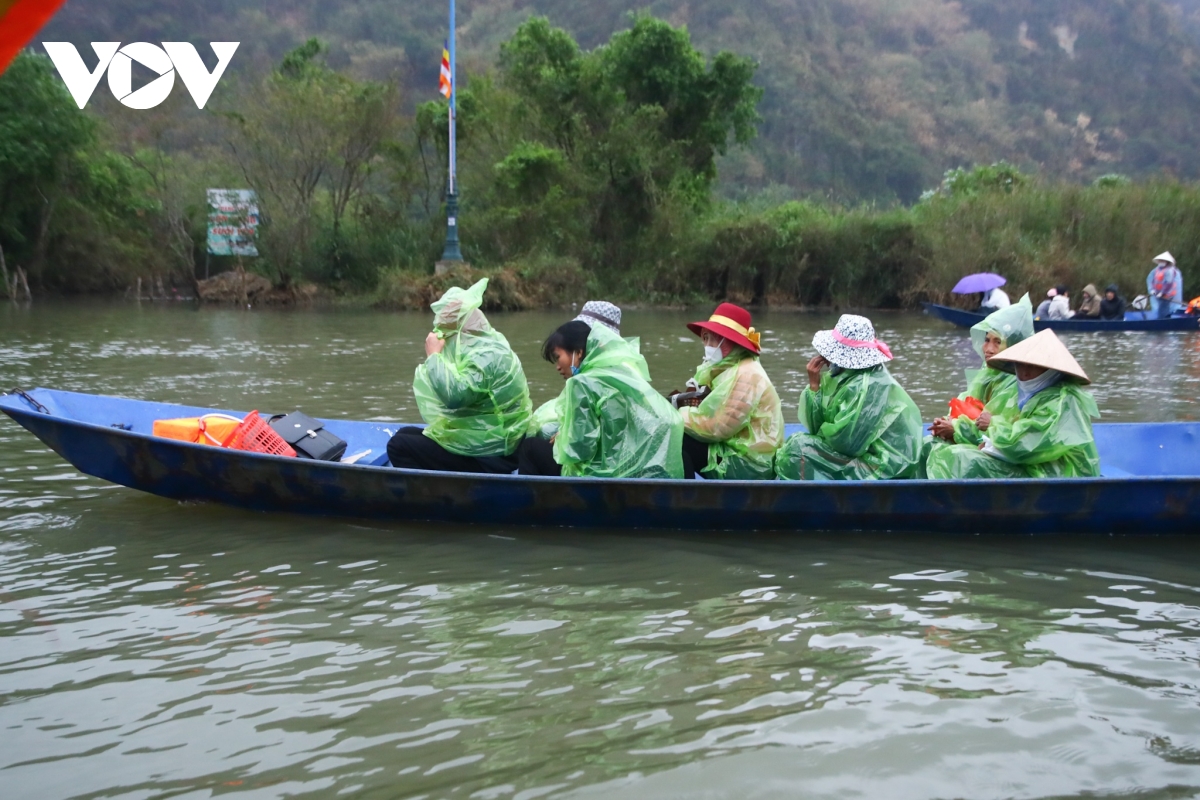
pixel 583 172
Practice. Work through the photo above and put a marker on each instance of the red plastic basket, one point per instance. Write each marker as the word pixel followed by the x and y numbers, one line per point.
pixel 255 436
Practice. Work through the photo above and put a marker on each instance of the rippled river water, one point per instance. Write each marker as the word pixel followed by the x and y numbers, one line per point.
pixel 153 649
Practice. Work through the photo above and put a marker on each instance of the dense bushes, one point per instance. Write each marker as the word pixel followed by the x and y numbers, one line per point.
pixel 801 253
pixel 1037 235
pixel 1060 233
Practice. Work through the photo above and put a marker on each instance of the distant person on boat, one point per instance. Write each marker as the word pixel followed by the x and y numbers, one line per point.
pixel 611 421
pixel 471 392
pixel 733 420
pixel 1089 303
pixel 1060 305
pixel 994 300
pixel 1113 305
pixel 1165 285
pixel 1047 435
pixel 993 387
pixel 1043 309
pixel 862 424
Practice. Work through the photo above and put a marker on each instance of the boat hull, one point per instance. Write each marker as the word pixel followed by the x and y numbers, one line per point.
pixel 1161 503
pixel 965 319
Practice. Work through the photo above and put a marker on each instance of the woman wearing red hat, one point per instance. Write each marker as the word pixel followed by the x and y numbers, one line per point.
pixel 732 431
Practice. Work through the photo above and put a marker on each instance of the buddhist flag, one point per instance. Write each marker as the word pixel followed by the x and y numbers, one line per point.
pixel 444 81
pixel 19 21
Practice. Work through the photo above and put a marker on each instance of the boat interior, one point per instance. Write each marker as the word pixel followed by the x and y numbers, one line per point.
pixel 1151 449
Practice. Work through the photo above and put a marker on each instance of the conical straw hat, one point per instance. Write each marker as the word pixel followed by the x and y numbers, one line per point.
pixel 1167 257
pixel 1043 349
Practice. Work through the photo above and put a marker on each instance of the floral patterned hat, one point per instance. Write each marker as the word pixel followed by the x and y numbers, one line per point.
pixel 852 344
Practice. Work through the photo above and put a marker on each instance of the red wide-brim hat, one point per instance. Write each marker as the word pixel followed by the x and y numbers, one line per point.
pixel 731 322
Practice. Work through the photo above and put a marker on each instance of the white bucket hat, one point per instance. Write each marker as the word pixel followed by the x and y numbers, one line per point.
pixel 1165 256
pixel 852 344
pixel 1043 349
pixel 601 311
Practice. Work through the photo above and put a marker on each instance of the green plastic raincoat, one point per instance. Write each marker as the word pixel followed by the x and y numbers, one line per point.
pixel 472 395
pixel 863 425
pixel 996 389
pixel 1050 438
pixel 612 424
pixel 544 422
pixel 742 419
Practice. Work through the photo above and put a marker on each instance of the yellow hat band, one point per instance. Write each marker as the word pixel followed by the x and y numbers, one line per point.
pixel 749 333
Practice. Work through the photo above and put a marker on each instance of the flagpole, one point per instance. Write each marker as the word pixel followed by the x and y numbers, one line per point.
pixel 451 251
pixel 453 101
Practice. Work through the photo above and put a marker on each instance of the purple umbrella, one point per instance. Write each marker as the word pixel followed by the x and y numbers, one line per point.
pixel 979 282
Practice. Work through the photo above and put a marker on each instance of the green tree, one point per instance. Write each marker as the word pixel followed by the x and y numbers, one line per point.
pixel 654 65
pixel 43 136
pixel 306 141
pixel 637 121
pixel 76 214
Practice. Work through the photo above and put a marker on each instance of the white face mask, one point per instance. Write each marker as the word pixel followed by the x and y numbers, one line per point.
pixel 713 354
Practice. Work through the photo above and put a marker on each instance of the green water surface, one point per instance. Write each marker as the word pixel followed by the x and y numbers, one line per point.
pixel 156 649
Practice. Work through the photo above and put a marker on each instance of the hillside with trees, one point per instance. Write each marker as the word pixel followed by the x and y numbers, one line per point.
pixel 816 152
pixel 863 99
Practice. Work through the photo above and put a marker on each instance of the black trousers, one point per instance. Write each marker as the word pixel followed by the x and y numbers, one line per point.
pixel 695 456
pixel 412 449
pixel 535 456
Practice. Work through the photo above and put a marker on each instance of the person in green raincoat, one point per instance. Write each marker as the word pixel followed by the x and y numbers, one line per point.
pixel 611 421
pixel 594 312
pixel 1047 434
pixel 862 424
pixel 994 387
pixel 471 392
pixel 733 429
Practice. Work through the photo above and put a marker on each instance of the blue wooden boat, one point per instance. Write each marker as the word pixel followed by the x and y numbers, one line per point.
pixel 1151 483
pixel 1134 321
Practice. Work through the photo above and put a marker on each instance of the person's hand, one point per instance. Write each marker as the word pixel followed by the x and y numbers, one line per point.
pixel 943 429
pixel 984 420
pixel 434 344
pixel 815 365
pixel 982 445
pixel 552 438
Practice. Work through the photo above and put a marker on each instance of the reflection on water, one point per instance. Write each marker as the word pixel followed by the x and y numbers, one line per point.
pixel 152 648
